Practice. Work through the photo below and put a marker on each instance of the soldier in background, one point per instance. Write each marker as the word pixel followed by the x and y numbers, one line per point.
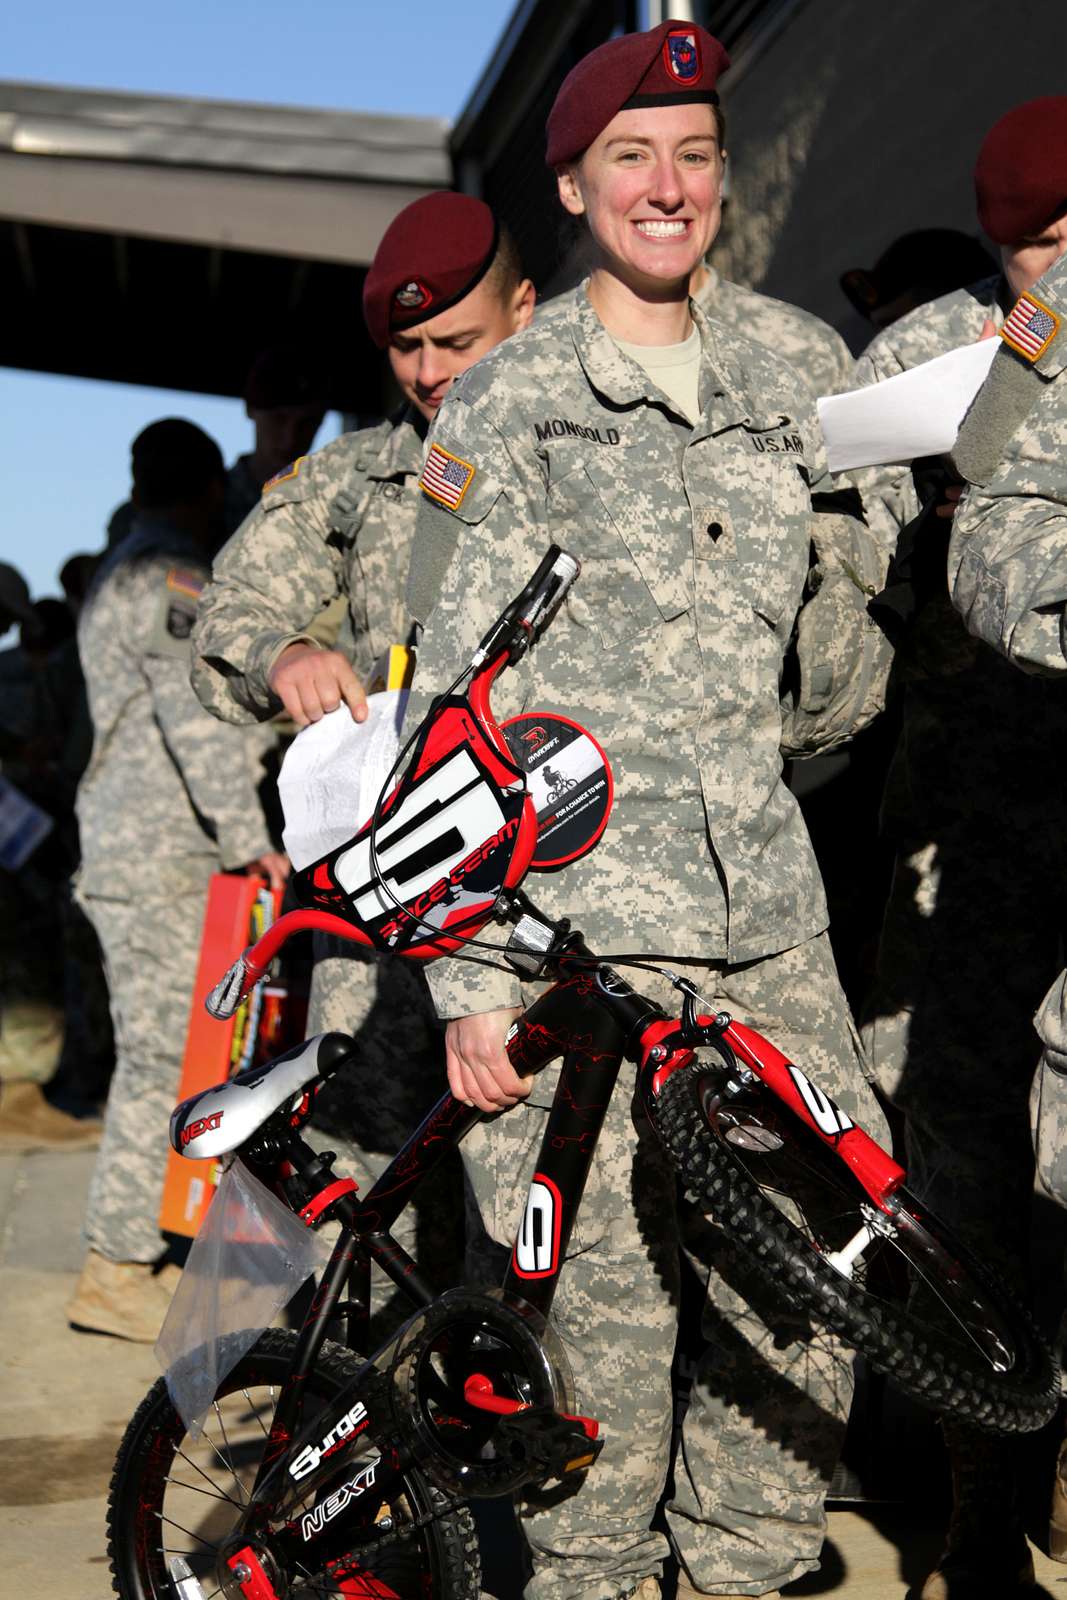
pixel 169 798
pixel 31 1016
pixel 285 401
pixel 1007 568
pixel 810 345
pixel 335 528
pixel 973 808
pixel 915 268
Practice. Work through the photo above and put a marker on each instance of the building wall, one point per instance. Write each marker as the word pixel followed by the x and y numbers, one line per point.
pixel 861 121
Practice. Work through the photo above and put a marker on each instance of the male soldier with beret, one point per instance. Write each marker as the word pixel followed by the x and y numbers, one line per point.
pixel 445 286
pixel 974 908
pixel 681 463
pixel 169 798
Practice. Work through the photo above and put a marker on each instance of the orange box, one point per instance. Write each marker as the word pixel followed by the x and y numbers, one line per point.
pixel 239 909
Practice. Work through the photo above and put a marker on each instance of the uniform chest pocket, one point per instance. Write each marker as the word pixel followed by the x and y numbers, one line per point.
pixel 752 523
pixel 632 534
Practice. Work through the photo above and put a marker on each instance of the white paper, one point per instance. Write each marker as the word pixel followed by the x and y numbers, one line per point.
pixel 917 413
pixel 333 773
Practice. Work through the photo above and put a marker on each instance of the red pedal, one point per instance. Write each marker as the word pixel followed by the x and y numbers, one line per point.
pixel 478 1392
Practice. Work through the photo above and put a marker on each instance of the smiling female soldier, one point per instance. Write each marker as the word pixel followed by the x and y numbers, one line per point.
pixel 682 464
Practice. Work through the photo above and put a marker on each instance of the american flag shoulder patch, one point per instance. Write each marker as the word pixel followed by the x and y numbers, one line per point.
pixel 185 582
pixel 1030 328
pixel 445 477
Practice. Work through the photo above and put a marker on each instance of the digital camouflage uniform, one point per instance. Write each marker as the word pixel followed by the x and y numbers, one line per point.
pixel 694 545
pixel 169 797
pixel 1008 575
pixel 810 345
pixel 973 909
pixel 338 523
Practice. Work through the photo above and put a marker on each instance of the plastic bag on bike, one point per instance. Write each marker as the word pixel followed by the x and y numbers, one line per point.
pixel 248 1260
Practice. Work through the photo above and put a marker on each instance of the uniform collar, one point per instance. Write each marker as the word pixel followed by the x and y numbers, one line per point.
pixel 708 295
pixel 623 381
pixel 613 374
pixel 402 447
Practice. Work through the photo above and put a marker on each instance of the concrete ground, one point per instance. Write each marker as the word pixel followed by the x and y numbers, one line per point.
pixel 65 1399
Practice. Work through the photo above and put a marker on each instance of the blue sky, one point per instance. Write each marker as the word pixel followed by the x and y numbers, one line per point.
pixel 66 441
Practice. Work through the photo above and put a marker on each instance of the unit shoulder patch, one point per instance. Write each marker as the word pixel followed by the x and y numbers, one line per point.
pixel 184 581
pixel 1030 327
pixel 285 474
pixel 446 478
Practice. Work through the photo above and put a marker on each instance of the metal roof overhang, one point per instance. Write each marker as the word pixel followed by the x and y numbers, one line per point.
pixel 164 241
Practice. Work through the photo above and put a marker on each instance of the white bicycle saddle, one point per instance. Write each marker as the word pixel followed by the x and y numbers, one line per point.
pixel 219 1119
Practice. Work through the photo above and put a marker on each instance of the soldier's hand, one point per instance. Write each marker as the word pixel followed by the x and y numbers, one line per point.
pixel 479 1071
pixel 310 682
pixel 273 865
pixel 950 499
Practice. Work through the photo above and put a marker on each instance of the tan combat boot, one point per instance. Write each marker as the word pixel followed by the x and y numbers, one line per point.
pixel 986 1553
pixel 127 1299
pixel 28 1121
pixel 1057 1520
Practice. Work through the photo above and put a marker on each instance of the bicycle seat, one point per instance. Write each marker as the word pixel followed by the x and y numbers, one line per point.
pixel 219 1119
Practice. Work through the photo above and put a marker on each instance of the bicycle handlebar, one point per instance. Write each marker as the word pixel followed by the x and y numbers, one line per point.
pixel 520 624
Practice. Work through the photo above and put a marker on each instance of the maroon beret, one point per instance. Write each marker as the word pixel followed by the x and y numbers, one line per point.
pixel 673 64
pixel 431 255
pixel 1020 177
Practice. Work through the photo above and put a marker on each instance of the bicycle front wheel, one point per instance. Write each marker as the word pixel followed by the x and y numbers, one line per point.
pixel 172 1497
pixel 898 1288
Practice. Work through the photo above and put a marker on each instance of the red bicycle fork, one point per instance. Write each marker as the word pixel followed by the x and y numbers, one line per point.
pixel 876 1172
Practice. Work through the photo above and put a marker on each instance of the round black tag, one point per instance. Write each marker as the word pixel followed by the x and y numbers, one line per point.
pixel 570 781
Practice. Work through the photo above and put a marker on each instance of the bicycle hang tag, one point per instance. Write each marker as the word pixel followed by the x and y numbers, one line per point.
pixel 570 781
pixel 455 832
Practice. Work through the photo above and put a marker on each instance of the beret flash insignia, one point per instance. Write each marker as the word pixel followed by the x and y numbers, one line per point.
pixel 412 295
pixel 681 52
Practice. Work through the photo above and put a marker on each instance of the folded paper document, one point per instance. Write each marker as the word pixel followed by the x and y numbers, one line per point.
pixel 917 413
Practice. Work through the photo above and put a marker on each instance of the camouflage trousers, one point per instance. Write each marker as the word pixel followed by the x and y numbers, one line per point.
pixel 151 947
pixel 769 1403
pixel 366 1113
pixel 970 944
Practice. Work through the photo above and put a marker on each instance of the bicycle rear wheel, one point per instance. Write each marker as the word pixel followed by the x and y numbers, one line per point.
pixel 944 1329
pixel 172 1496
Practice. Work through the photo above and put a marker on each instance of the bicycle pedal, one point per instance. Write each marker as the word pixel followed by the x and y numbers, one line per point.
pixel 549 1444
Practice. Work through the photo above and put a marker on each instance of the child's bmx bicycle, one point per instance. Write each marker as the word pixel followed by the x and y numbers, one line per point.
pixel 320 1471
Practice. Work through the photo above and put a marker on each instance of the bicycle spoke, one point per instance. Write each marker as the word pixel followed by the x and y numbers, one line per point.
pixel 205 1544
pixel 226 1442
pixel 194 1488
pixel 196 1468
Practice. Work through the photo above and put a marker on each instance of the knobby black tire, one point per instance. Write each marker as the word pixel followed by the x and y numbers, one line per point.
pixel 146 1451
pixel 940 1374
